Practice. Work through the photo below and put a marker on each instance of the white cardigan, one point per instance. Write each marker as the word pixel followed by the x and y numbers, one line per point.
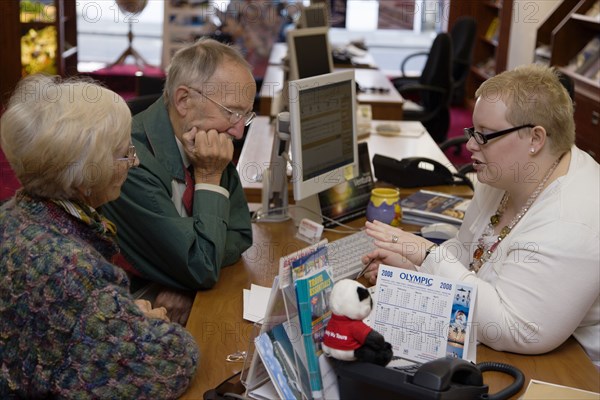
pixel 542 283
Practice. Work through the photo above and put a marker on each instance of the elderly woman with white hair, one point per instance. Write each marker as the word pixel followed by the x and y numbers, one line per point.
pixel 70 328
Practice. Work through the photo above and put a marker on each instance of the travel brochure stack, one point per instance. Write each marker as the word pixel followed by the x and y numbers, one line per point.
pixel 426 207
pixel 289 343
pixel 287 360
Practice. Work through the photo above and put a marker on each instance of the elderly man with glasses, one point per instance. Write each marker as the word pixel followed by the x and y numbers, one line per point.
pixel 182 214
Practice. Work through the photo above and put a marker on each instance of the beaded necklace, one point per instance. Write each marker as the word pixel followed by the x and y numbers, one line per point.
pixel 484 251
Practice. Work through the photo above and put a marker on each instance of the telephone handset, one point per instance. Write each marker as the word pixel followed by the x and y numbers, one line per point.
pixel 415 172
pixel 444 379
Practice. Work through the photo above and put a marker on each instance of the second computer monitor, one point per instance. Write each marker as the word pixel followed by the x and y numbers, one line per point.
pixel 309 53
pixel 314 16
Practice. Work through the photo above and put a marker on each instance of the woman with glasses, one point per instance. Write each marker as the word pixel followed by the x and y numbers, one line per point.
pixel 70 328
pixel 530 238
pixel 182 215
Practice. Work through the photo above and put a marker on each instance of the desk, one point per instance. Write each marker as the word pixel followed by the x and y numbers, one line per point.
pixel 256 154
pixel 384 105
pixel 217 325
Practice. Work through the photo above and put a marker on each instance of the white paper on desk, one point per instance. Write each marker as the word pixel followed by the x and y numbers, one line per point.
pixel 412 129
pixel 255 302
pixel 546 390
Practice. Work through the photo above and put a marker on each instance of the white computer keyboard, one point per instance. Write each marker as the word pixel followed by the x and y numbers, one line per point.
pixel 345 255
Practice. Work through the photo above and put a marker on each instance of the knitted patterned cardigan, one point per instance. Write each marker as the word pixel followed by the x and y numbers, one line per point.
pixel 68 325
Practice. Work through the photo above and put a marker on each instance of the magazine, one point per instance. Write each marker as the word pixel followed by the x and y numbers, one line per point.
pixel 424 316
pixel 313 283
pixel 426 207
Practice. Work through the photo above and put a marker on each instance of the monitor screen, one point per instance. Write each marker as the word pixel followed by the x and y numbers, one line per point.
pixel 314 16
pixel 309 53
pixel 323 132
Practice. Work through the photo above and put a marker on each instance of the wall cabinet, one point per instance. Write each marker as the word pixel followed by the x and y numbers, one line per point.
pixel 42 37
pixel 572 26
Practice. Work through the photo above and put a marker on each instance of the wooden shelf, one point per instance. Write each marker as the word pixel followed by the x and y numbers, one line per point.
pixel 485 49
pixel 13 29
pixel 480 73
pixel 497 5
pixel 566 32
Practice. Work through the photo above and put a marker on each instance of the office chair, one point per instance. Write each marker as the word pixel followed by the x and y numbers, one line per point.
pixel 433 89
pixel 463 40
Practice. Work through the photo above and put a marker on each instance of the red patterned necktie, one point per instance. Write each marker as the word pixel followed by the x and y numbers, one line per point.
pixel 188 194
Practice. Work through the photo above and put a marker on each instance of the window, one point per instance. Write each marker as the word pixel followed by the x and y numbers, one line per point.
pixel 102 27
pixel 102 32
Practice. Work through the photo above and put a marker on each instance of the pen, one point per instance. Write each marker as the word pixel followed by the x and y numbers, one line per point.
pixel 362 271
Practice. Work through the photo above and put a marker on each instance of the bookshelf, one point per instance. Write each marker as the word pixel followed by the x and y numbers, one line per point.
pixel 566 32
pixel 184 22
pixel 490 52
pixel 543 41
pixel 42 38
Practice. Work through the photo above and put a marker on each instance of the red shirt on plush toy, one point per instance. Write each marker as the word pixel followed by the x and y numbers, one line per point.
pixel 346 337
pixel 345 334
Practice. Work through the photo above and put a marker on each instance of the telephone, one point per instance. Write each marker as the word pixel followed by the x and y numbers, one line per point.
pixel 444 379
pixel 415 172
pixel 341 57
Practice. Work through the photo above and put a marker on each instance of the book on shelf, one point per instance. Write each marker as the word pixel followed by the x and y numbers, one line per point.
pixel 594 10
pixel 586 57
pixel 493 30
pixel 593 70
pixel 426 207
pixel 543 54
pixel 487 67
pixel 313 283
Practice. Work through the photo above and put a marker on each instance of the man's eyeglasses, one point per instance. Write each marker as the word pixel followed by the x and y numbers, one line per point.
pixel 234 116
pixel 131 156
pixel 482 138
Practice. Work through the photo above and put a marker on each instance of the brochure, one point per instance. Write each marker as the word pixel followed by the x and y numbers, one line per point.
pixel 426 207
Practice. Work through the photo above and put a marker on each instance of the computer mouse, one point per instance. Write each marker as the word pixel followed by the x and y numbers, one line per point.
pixel 440 230
pixel 388 129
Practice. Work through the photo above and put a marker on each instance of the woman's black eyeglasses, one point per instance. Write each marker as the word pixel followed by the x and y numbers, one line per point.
pixel 482 138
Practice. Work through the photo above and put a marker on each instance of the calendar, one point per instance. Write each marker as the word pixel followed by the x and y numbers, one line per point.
pixel 424 316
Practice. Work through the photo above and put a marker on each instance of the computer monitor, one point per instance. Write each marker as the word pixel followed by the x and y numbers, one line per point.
pixel 309 53
pixel 314 16
pixel 324 145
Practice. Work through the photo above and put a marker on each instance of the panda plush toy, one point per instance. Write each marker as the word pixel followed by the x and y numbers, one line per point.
pixel 347 337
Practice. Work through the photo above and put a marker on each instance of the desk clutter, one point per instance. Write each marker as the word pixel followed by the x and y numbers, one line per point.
pixel 301 349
